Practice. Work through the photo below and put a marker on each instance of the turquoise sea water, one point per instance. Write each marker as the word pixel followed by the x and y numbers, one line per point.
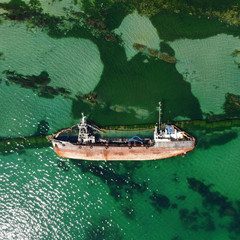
pixel 46 197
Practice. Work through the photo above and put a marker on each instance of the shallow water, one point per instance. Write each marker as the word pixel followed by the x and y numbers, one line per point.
pixel 46 197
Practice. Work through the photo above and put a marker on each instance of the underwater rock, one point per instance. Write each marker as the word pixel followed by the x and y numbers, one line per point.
pixel 155 53
pixel 165 57
pixel 139 47
pixel 90 98
pixel 152 52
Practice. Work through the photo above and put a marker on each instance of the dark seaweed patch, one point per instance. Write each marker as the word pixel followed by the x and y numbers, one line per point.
pixel 43 128
pixel 195 220
pixel 121 185
pixel 19 10
pixel 232 105
pixel 1 53
pixel 128 211
pixel 215 201
pixel 28 81
pixel 212 200
pixel 174 206
pixel 160 202
pixel 63 165
pixel 38 83
pixel 102 230
pixel 182 197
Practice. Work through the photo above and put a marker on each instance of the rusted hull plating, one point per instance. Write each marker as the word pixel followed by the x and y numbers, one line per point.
pixel 100 153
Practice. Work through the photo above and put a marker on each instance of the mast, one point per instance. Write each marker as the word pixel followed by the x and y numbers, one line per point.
pixel 159 117
pixel 83 119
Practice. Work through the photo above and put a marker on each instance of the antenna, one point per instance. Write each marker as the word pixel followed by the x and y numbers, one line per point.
pixel 160 112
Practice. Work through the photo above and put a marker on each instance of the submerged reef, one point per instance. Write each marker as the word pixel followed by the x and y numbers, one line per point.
pixel 155 53
pixel 38 83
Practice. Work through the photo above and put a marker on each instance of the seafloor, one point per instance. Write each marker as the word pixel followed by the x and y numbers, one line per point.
pixel 61 58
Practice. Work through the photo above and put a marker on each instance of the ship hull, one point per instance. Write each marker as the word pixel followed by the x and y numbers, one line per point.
pixel 116 153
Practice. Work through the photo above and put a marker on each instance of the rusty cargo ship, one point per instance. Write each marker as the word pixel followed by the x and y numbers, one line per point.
pixel 85 141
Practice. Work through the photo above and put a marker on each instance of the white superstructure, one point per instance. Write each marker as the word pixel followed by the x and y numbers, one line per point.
pixel 169 133
pixel 84 136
